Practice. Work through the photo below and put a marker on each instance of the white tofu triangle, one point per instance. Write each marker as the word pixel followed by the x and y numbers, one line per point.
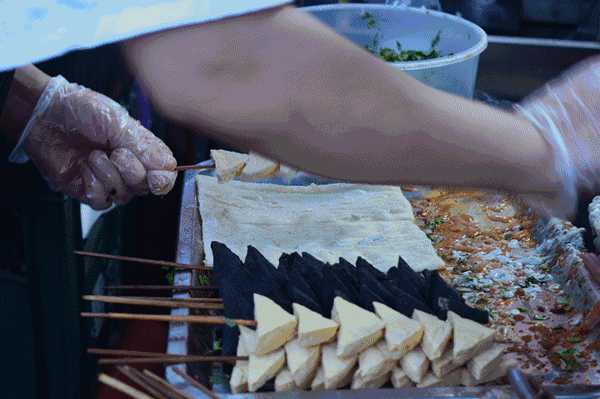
pixel 359 328
pixel 436 336
pixel 337 371
pixel 284 381
pixel 239 375
pixel 313 329
pixel 262 368
pixel 402 334
pixel 275 326
pixel 258 167
pixel 449 380
pixel 318 383
pixel 360 382
pixel 303 362
pixel 372 363
pixel 470 338
pixel 415 365
pixel 248 338
pixel 399 378
pixel 228 164
pixel 485 362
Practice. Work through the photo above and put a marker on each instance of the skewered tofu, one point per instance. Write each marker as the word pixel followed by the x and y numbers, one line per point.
pixel 275 326
pixel 360 382
pixel 337 371
pixel 257 167
pixel 239 375
pixel 470 338
pixel 318 383
pixel 436 336
pixel 391 358
pixel 284 381
pixel 445 364
pixel 302 362
pixel 262 368
pixel 228 164
pixel 449 380
pixel 359 328
pixel 313 329
pixel 415 365
pixel 468 380
pixel 400 379
pixel 248 338
pixel 401 333
pixel 484 363
pixel 372 363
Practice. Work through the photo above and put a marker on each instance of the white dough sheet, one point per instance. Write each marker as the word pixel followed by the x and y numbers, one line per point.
pixel 327 220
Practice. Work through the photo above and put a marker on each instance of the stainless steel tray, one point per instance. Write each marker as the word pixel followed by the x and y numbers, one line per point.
pixel 184 339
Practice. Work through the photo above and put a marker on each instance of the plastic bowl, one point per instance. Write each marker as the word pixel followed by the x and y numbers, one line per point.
pixel 415 28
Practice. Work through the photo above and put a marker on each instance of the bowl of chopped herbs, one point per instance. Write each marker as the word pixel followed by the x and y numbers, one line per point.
pixel 439 49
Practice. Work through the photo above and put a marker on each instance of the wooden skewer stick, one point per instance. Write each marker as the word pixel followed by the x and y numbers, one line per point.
pixel 195 383
pixel 161 287
pixel 170 359
pixel 162 263
pixel 166 303
pixel 181 168
pixel 168 387
pixel 163 392
pixel 124 352
pixel 212 320
pixel 137 377
pixel 193 300
pixel 122 387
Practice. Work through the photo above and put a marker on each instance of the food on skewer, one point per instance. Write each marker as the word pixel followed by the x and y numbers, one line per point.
pixel 238 382
pixel 313 329
pixel 318 383
pixel 337 371
pixel 449 380
pixel 359 328
pixel 399 378
pixel 415 364
pixel 228 164
pixel 284 381
pixel 436 336
pixel 484 363
pixel 470 338
pixel 401 333
pixel 258 167
pixel 468 380
pixel 262 368
pixel 444 365
pixel 275 326
pixel 302 362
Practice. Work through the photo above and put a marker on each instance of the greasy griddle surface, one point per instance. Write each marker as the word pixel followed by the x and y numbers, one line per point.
pixel 493 259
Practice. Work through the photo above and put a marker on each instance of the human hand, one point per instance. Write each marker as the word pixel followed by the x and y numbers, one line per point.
pixel 567 113
pixel 87 146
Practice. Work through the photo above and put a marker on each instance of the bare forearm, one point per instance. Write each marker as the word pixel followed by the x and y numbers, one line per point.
pixel 284 85
pixel 27 85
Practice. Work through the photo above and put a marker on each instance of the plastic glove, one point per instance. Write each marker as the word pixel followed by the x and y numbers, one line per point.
pixel 87 146
pixel 567 113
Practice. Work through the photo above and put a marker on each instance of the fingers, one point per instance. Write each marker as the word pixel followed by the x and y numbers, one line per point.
pixel 149 149
pixel 95 195
pixel 109 176
pixel 161 182
pixel 131 169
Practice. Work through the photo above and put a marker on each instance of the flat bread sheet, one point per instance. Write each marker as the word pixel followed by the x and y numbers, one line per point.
pixel 328 221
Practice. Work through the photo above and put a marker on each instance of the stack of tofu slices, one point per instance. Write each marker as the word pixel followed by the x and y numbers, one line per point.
pixel 362 349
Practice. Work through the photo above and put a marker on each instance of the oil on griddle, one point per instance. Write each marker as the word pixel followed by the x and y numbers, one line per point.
pixel 493 259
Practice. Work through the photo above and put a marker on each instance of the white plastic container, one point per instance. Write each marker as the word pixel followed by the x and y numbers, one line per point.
pixel 415 29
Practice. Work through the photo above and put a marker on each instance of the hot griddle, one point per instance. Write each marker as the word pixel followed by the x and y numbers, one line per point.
pixel 185 338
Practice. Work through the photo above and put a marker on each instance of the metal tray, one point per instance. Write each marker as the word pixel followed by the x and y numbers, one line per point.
pixel 183 338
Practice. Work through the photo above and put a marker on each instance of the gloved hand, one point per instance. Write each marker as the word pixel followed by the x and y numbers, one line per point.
pixel 567 113
pixel 87 146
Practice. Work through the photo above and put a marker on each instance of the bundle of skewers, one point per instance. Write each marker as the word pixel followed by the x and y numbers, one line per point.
pixel 310 325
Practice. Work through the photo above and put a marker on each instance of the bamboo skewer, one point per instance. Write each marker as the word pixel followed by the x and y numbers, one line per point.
pixel 161 287
pixel 193 300
pixel 154 262
pixel 152 302
pixel 139 378
pixel 211 320
pixel 122 387
pixel 170 359
pixel 182 168
pixel 123 352
pixel 194 383
pixel 166 386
